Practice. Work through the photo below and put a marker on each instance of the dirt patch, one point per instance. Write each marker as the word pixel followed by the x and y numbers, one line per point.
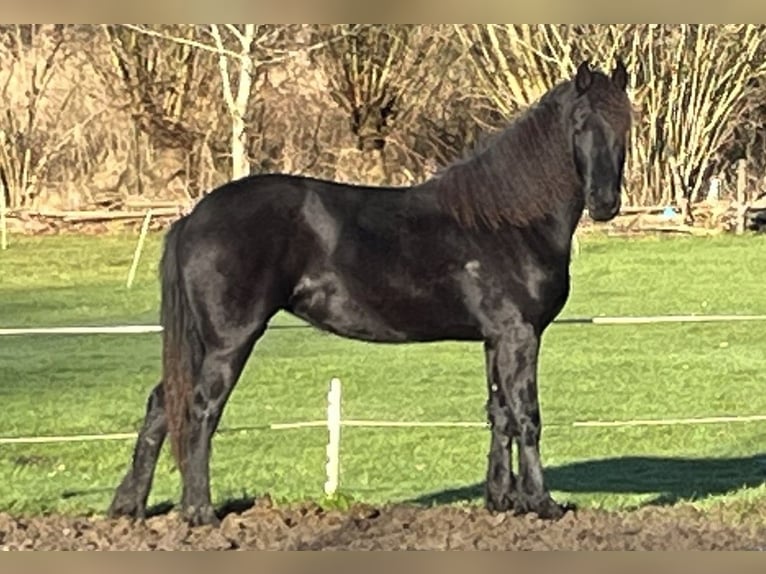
pixel 395 527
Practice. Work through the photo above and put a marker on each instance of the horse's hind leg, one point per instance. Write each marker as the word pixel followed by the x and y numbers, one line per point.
pixel 221 367
pixel 130 497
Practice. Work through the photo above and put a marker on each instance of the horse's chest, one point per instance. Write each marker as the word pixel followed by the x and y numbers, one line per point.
pixel 555 292
pixel 496 294
pixel 546 288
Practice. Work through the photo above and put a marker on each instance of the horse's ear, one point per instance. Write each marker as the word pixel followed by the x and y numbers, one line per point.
pixel 583 78
pixel 620 75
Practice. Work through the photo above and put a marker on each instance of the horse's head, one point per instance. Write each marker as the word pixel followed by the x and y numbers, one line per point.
pixel 601 118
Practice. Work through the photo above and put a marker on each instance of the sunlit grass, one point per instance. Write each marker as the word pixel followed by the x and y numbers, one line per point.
pixel 58 385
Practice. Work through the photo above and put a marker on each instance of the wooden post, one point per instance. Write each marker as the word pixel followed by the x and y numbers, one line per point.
pixel 139 247
pixel 741 185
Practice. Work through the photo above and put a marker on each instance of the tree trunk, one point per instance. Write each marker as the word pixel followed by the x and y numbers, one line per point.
pixel 237 105
pixel 240 162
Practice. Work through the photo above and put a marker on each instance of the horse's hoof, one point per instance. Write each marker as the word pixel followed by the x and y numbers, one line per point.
pixel 499 502
pixel 544 507
pixel 201 516
pixel 125 503
pixel 126 508
pixel 499 506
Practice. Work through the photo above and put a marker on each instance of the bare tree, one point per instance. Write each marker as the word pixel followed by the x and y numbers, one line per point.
pixel 370 102
pixel 237 89
pixel 169 87
pixel 241 53
pixel 695 82
pixel 686 101
pixel 34 52
pixel 383 77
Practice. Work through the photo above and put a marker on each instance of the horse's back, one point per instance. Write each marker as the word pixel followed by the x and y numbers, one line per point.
pixel 286 225
pixel 255 196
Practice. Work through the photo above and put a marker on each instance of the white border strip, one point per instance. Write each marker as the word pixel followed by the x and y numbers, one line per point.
pixel 636 320
pixel 401 424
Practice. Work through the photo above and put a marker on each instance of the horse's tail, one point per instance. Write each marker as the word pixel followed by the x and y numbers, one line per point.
pixel 181 351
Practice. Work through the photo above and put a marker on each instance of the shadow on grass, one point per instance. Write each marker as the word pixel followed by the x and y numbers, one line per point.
pixel 671 479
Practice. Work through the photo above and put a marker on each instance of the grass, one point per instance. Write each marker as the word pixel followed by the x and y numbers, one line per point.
pixel 89 384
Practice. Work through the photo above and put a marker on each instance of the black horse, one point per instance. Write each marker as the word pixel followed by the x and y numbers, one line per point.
pixel 480 252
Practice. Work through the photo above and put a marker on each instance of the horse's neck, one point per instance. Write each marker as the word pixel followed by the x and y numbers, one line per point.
pixel 558 228
pixel 566 217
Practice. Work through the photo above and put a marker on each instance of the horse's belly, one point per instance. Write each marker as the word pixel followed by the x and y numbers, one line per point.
pixel 326 304
pixel 399 317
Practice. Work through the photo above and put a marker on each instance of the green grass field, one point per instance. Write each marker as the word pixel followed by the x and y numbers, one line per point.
pixel 60 385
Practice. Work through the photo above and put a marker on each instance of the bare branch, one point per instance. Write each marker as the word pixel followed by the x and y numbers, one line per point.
pixel 180 40
pixel 223 64
pixel 234 30
pixel 65 139
pixel 277 56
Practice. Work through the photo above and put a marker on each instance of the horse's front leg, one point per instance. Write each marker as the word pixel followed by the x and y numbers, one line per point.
pixel 500 488
pixel 512 365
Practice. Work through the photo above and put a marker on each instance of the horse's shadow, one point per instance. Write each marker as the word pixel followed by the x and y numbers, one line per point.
pixel 670 479
pixel 223 509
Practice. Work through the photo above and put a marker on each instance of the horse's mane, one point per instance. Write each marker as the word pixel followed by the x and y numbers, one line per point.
pixel 525 169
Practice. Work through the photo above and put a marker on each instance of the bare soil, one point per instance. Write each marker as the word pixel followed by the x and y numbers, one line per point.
pixel 394 527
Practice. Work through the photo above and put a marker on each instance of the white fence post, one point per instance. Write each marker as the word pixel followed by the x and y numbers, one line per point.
pixel 333 443
pixel 139 247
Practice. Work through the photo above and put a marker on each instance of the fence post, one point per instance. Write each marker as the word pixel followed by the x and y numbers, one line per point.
pixel 139 247
pixel 741 185
pixel 333 443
